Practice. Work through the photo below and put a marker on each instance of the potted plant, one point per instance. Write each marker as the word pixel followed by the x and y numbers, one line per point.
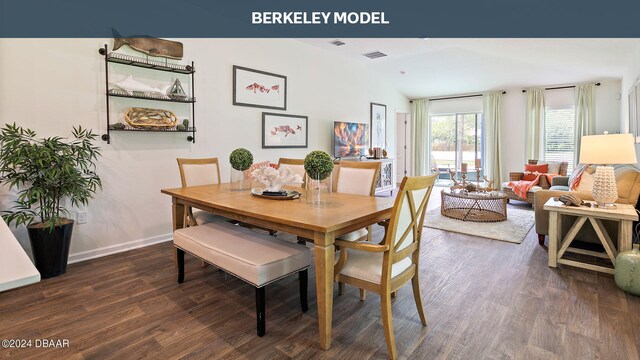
pixel 48 172
pixel 241 159
pixel 318 167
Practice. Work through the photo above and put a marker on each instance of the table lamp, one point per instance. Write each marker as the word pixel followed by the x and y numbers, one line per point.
pixel 605 150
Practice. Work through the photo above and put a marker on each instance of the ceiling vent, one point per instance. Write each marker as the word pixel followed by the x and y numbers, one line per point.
pixel 337 42
pixel 374 55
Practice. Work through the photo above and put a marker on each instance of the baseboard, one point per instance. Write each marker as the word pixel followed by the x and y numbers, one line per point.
pixel 118 248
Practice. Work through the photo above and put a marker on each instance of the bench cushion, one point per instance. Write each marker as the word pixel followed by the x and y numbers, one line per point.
pixel 256 258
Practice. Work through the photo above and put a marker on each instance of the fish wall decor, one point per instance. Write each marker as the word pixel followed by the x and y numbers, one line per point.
pixel 148 45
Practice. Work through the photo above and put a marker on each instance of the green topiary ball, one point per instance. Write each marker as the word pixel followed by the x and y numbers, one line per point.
pixel 185 122
pixel 318 165
pixel 241 159
pixel 181 127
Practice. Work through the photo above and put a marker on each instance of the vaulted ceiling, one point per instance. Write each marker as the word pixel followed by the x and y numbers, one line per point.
pixel 432 67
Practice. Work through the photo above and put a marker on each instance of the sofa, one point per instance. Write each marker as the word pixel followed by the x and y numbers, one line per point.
pixel 627 181
pixel 543 184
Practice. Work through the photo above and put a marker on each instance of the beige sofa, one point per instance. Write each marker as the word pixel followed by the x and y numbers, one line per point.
pixel 628 183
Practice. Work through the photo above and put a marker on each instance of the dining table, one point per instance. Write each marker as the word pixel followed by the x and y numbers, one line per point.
pixel 320 224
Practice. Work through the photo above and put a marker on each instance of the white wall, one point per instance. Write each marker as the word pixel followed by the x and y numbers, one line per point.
pixel 50 85
pixel 631 76
pixel 513 115
pixel 466 105
pixel 628 80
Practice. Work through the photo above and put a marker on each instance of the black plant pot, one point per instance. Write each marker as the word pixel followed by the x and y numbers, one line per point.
pixel 51 248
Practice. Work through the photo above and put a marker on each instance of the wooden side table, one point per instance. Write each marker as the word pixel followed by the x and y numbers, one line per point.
pixel 624 214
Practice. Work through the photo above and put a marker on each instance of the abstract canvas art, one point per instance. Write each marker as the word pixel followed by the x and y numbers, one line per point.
pixel 378 125
pixel 284 131
pixel 350 139
pixel 257 88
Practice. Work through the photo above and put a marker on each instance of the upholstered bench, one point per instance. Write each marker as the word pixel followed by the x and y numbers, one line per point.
pixel 258 259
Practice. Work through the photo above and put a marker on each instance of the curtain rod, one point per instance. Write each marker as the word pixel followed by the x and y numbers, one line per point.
pixel 457 97
pixel 561 87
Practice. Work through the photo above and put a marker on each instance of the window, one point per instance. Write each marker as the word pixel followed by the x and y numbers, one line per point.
pixel 559 138
pixel 456 139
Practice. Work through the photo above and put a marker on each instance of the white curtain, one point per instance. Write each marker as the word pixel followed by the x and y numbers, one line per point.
pixel 420 144
pixel 493 143
pixel 585 115
pixel 534 130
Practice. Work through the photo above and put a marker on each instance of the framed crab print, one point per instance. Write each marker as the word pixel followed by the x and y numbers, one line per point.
pixel 258 88
pixel 284 131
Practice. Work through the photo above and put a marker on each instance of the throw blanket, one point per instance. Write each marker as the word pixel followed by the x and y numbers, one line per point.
pixel 522 187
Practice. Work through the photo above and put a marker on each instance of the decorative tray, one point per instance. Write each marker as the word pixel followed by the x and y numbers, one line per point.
pixel 291 195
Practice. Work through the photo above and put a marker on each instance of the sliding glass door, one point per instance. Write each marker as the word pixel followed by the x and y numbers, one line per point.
pixel 456 139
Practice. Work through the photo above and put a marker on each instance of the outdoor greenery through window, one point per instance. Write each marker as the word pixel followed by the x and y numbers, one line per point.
pixel 559 135
pixel 456 139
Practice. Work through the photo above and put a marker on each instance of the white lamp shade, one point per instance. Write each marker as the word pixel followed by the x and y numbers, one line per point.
pixel 608 149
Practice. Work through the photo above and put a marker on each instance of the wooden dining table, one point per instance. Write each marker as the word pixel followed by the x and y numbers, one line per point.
pixel 320 224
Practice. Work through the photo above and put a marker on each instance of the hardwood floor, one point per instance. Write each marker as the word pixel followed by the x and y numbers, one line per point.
pixel 484 299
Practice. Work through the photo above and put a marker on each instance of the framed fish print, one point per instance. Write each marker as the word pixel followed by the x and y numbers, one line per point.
pixel 260 89
pixel 378 126
pixel 284 131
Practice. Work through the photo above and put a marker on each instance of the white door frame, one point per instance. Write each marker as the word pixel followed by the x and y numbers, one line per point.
pixel 403 137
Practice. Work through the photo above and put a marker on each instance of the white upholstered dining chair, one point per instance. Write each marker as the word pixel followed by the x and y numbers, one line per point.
pixel 384 268
pixel 195 172
pixel 295 165
pixel 357 178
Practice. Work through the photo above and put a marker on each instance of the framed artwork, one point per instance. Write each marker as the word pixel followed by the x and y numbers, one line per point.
pixel 378 125
pixel 260 89
pixel 284 131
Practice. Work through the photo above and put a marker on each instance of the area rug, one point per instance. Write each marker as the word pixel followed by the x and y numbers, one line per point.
pixel 513 230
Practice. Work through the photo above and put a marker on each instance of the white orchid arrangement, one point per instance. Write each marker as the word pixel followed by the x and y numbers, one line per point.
pixel 275 179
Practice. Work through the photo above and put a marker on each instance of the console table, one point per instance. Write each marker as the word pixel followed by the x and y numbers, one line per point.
pixel 385 181
pixel 624 214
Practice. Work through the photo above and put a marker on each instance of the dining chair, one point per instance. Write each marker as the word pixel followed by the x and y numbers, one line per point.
pixel 385 267
pixel 195 172
pixel 295 165
pixel 357 178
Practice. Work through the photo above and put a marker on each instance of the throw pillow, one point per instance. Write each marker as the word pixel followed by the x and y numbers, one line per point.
pixel 531 172
pixel 586 182
pixel 576 175
pixel 554 166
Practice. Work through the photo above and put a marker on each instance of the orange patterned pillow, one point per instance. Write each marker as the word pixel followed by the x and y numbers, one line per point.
pixel 531 172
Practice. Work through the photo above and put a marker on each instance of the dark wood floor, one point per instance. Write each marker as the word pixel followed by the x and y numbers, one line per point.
pixel 484 299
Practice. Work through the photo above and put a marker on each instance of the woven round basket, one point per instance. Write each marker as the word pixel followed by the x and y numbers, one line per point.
pixel 143 118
